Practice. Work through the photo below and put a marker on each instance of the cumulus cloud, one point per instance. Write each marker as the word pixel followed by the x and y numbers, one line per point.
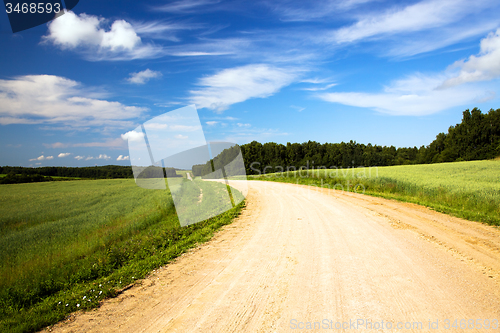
pixel 143 77
pixel 123 158
pixel 42 157
pixel 78 157
pixel 39 158
pixel 38 99
pixel 100 157
pixel 133 136
pixel 483 67
pixel 89 33
pixel 63 155
pixel 235 85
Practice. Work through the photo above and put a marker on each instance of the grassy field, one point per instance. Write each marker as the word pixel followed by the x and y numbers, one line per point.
pixel 465 189
pixel 65 246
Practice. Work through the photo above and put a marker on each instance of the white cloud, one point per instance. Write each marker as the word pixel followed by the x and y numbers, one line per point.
pixel 79 157
pixel 143 77
pixel 415 17
pixel 162 30
pixel 416 95
pixel 103 157
pixel 39 158
pixel 40 99
pixel 211 123
pixel 313 10
pixel 328 86
pixel 133 136
pixel 298 108
pixel 243 125
pixel 123 158
pixel 421 94
pixel 483 67
pixel 49 157
pixel 235 85
pixel 63 155
pixel 185 6
pixel 88 34
pixel 109 143
pixel 180 136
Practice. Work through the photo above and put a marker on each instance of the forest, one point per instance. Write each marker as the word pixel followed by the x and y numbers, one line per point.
pixel 477 137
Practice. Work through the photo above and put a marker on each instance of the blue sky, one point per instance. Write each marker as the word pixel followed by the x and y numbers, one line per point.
pixel 374 71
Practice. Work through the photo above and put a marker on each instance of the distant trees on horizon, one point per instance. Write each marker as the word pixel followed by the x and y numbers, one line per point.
pixel 477 137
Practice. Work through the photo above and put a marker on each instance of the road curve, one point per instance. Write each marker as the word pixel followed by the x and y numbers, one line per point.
pixel 300 256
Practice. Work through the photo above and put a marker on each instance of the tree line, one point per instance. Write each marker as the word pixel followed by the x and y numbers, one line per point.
pixel 17 174
pixel 225 164
pixel 477 137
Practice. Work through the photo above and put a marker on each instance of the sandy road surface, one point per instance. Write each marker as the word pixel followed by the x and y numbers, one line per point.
pixel 298 255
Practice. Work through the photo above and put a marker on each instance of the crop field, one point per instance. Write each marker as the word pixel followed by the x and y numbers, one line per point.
pixel 465 189
pixel 65 246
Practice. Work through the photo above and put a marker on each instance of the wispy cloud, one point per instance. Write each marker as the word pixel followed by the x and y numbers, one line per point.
pixel 298 108
pixel 143 76
pixel 416 17
pixel 313 10
pixel 328 86
pixel 163 30
pixel 420 94
pixel 235 85
pixel 416 95
pixel 123 158
pixel 185 6
pixel 38 99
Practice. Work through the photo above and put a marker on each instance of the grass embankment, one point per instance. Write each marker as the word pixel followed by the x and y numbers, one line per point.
pixel 65 246
pixel 470 190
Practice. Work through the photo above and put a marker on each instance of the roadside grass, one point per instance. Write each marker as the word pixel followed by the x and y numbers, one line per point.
pixel 469 190
pixel 66 246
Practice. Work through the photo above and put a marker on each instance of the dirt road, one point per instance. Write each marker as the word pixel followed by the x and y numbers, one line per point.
pixel 299 256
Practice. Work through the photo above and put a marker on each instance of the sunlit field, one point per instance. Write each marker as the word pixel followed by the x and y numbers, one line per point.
pixel 65 246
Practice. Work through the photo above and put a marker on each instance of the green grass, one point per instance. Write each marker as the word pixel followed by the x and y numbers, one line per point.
pixel 65 246
pixel 469 190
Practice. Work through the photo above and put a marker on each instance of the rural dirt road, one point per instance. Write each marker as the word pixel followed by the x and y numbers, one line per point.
pixel 300 255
